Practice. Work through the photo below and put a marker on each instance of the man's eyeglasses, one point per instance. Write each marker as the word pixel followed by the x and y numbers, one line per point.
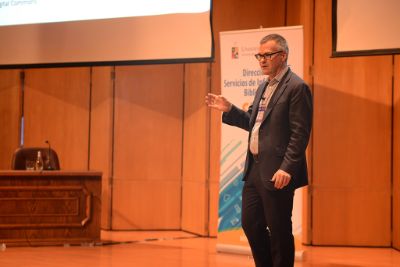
pixel 266 55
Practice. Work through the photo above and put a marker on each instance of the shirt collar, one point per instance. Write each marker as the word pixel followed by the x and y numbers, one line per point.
pixel 280 75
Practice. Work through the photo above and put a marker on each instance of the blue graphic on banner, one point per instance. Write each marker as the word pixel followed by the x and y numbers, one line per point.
pixel 231 184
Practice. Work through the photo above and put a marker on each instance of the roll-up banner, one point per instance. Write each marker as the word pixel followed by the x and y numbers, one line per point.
pixel 240 77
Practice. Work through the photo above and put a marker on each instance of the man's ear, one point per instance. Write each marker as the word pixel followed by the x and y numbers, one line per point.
pixel 284 57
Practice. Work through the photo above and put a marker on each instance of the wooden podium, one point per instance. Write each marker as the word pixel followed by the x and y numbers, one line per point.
pixel 49 207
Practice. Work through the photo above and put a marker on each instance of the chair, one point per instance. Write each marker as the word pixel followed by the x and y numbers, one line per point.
pixel 22 154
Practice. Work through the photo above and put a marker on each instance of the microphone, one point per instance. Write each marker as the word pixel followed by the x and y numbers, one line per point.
pixel 48 167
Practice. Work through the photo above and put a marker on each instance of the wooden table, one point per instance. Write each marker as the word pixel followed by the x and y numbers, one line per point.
pixel 49 207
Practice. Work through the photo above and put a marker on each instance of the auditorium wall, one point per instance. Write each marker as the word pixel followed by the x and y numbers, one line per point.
pixel 147 129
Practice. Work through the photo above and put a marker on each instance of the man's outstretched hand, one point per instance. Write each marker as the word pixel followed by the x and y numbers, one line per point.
pixel 218 102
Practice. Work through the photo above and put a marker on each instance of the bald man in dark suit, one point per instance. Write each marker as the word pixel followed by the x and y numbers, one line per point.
pixel 279 126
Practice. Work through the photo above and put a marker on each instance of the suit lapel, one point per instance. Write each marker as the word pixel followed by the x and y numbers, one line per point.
pixel 256 103
pixel 277 94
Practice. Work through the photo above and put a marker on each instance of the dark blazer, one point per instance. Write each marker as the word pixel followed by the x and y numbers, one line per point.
pixel 284 132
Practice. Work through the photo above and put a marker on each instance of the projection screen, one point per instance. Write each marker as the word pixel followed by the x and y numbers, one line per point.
pixel 365 27
pixel 99 32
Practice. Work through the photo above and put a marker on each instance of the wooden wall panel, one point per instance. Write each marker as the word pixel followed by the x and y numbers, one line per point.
pixel 195 174
pixel 229 15
pixel 56 108
pixel 148 147
pixel 351 144
pixel 101 135
pixel 10 115
pixel 302 13
pixel 396 155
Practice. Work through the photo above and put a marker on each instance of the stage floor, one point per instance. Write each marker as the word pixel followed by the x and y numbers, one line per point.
pixel 175 248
